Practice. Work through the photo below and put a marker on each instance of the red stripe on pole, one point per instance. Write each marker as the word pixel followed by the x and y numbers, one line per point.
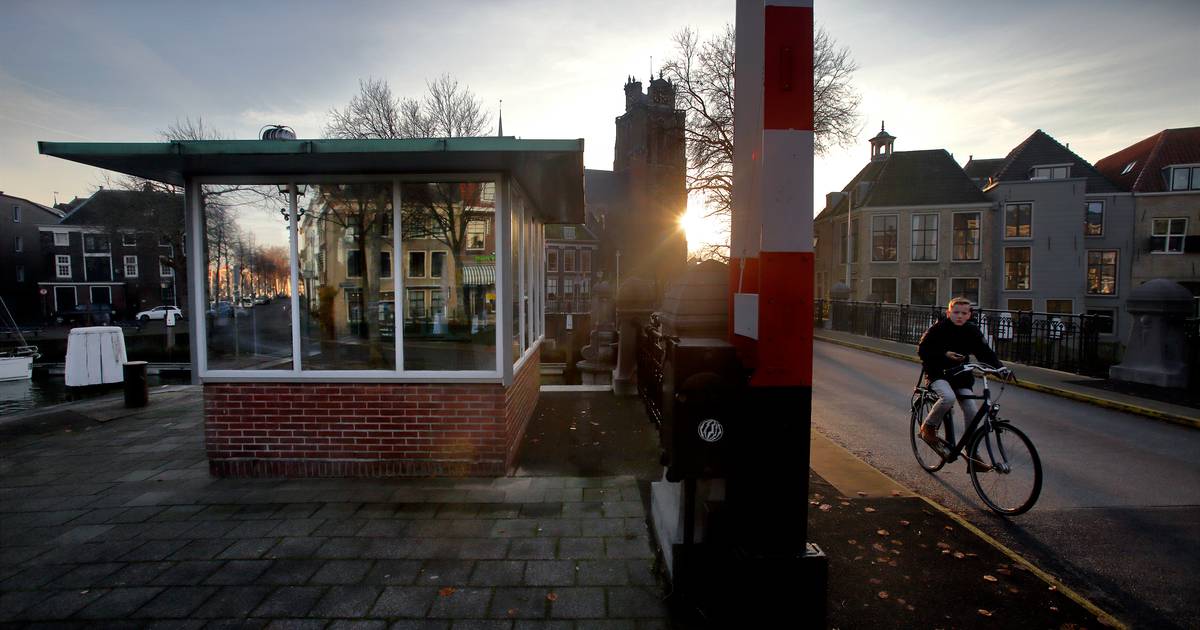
pixel 785 320
pixel 787 68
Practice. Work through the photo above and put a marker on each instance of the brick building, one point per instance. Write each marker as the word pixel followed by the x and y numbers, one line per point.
pixel 21 259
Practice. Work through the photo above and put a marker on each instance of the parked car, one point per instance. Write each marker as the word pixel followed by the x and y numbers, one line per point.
pixel 158 312
pixel 263 299
pixel 85 315
pixel 247 302
pixel 220 309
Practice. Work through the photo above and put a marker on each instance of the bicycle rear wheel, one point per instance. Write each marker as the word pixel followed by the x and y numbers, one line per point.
pixel 927 458
pixel 1005 469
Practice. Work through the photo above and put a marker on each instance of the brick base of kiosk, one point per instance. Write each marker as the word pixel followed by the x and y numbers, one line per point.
pixel 368 429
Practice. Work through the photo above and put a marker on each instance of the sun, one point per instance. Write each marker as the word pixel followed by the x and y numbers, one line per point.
pixel 702 230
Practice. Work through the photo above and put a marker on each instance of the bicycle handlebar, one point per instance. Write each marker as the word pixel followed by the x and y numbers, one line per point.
pixel 981 369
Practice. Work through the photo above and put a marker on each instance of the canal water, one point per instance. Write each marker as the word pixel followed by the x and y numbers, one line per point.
pixel 18 396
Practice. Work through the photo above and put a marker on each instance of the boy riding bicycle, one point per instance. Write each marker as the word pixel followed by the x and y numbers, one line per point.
pixel 944 348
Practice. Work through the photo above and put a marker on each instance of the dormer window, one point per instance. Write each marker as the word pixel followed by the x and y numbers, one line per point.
pixel 1051 171
pixel 1185 177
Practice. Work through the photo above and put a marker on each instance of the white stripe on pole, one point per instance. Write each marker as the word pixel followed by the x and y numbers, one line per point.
pixel 787 190
pixel 747 130
pixel 790 3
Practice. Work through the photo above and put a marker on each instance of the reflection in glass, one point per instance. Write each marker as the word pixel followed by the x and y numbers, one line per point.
pixel 514 282
pixel 347 319
pixel 247 278
pixel 449 311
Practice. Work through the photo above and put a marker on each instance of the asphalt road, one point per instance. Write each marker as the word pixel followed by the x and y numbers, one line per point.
pixel 1119 514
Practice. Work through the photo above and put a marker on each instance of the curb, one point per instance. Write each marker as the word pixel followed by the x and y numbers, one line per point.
pixel 1154 414
pixel 1101 616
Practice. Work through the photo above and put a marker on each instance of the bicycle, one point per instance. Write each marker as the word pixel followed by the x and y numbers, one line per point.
pixel 1003 464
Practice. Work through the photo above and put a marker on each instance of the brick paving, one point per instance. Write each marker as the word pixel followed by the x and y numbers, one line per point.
pixel 104 522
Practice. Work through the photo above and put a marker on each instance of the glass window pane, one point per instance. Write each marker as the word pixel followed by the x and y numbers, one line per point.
pixel 514 276
pixel 966 288
pixel 1179 179
pixel 1178 227
pixel 450 318
pixel 247 255
pixel 347 299
pixel 1094 219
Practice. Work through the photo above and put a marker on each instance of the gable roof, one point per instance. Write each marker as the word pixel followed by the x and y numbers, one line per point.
pixel 982 169
pixel 911 178
pixel 56 213
pixel 1039 148
pixel 124 207
pixel 1149 157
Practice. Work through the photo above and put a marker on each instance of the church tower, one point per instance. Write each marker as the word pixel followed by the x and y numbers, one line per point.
pixel 648 157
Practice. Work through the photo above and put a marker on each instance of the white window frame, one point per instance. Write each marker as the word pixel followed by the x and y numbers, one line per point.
pixel 91 294
pixel 1046 305
pixel 164 270
pixel 1066 166
pixel 445 256
pixel 128 239
pixel 937 238
pixel 1008 305
pixel 74 293
pixel 16 214
pixel 937 289
pixel 1103 217
pixel 66 239
pixel 1113 314
pixel 505 367
pixel 895 259
pixel 483 241
pixel 1116 272
pixel 1167 237
pixel 895 284
pixel 585 260
pixel 424 265
pixel 552 256
pixel 1193 177
pixel 568 253
pixel 979 289
pixel 20 273
pixel 552 289
pixel 59 261
pixel 1003 271
pixel 978 243
pixel 1004 221
pixel 128 258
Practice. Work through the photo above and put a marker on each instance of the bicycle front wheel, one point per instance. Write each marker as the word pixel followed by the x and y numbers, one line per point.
pixel 928 458
pixel 1005 469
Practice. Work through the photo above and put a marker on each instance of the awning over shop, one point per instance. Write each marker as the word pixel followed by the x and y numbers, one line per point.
pixel 550 171
pixel 479 275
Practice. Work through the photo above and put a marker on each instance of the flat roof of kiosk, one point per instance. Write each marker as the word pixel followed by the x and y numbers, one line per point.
pixel 550 171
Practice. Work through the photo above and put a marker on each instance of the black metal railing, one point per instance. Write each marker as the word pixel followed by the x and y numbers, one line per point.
pixel 569 305
pixel 651 354
pixel 1069 343
pixel 1191 333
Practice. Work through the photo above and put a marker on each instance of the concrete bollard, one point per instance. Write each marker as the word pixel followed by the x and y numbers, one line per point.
pixel 137 387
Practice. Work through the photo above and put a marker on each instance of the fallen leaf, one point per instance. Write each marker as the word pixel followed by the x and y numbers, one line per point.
pixel 869 510
pixel 895 493
pixel 875 581
pixel 512 612
pixel 1003 571
pixel 896 542
pixel 904 523
pixel 960 555
pixel 943 545
pixel 1013 589
pixel 1053 587
pixel 883 595
pixel 990 578
pixel 880 548
pixel 552 597
pixel 447 591
pixel 851 542
pixel 949 528
pixel 910 607
pixel 825 507
pixel 861 493
pixel 900 600
pixel 882 532
pixel 858 557
pixel 1054 608
pixel 845 504
pixel 893 563
pixel 985 613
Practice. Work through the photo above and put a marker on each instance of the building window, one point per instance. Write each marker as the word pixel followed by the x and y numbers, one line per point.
pixel 1106 323
pixel 552 288
pixel 1102 272
pixel 1185 178
pixel 569 232
pixel 883 238
pixel 552 260
pixel 385 264
pixel 884 289
pixel 1167 235
pixel 416 304
pixel 568 287
pixel 1093 219
pixel 167 293
pixel 1128 167
pixel 585 287
pixel 131 267
pixel 16 214
pixel 1016 269
pixel 1061 171
pixel 437 304
pixel 20 273
pixel 416 264
pixel 922 291
pixel 128 240
pixel 966 236
pixel 585 260
pixel 437 264
pixel 62 239
pixel 165 270
pixel 1060 307
pixel 924 237
pixel 18 244
pixel 354 263
pixel 96 243
pixel 63 266
pixel 1020 304
pixel 965 288
pixel 857 242
pixel 476 234
pixel 568 260
pixel 1018 220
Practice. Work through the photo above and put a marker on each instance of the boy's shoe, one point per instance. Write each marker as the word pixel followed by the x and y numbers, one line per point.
pixel 930 436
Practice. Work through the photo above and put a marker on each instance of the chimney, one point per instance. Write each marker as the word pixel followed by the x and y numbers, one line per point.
pixel 832 199
pixel 860 193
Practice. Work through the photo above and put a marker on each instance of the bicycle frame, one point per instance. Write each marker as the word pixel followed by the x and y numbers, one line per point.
pixel 981 421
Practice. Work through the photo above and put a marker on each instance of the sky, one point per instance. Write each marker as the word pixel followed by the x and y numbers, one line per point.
pixel 972 77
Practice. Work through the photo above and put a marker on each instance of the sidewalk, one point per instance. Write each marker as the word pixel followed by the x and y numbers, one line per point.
pixel 1065 384
pixel 109 519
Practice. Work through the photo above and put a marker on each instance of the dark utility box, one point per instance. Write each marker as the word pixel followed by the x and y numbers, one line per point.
pixel 703 383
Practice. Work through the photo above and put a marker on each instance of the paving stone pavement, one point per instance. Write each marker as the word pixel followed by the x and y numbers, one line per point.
pixel 118 523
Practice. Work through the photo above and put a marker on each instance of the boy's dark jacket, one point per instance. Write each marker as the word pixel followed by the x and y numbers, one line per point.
pixel 966 340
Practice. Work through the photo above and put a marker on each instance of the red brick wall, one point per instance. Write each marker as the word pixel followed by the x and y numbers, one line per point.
pixel 366 429
pixel 519 402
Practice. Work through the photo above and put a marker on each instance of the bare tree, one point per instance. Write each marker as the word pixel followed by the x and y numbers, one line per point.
pixel 703 74
pixel 448 110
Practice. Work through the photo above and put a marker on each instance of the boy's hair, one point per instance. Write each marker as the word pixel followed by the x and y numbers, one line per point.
pixel 958 300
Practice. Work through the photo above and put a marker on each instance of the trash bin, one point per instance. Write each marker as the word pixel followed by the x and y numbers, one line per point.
pixel 94 356
pixel 137 388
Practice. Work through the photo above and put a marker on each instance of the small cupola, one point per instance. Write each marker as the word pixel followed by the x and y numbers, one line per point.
pixel 881 144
